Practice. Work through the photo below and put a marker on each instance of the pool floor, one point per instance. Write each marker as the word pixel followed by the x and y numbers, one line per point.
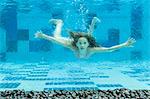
pixel 74 76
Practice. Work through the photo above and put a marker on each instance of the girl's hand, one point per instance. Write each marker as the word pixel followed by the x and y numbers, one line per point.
pixel 39 34
pixel 130 42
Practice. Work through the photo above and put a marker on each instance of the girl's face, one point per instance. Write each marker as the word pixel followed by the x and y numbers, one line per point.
pixel 82 43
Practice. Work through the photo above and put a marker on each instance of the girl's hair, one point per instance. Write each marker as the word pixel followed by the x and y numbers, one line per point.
pixel 76 35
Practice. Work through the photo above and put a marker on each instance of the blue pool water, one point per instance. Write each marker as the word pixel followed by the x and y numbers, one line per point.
pixel 36 64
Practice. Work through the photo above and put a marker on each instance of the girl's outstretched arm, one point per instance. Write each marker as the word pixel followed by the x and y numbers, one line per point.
pixel 128 43
pixel 41 35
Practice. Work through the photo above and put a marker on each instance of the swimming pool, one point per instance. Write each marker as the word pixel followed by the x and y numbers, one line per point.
pixel 35 64
pixel 74 76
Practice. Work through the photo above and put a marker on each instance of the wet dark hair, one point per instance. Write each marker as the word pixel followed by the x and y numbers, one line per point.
pixel 76 35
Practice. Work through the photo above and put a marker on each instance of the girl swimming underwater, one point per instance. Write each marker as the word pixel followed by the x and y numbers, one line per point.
pixel 83 44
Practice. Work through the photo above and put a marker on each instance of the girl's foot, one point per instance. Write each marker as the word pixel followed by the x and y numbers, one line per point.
pixel 95 19
pixel 56 21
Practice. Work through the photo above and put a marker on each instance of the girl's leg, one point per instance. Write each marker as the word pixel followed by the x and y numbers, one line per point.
pixel 92 25
pixel 57 31
pixel 59 24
